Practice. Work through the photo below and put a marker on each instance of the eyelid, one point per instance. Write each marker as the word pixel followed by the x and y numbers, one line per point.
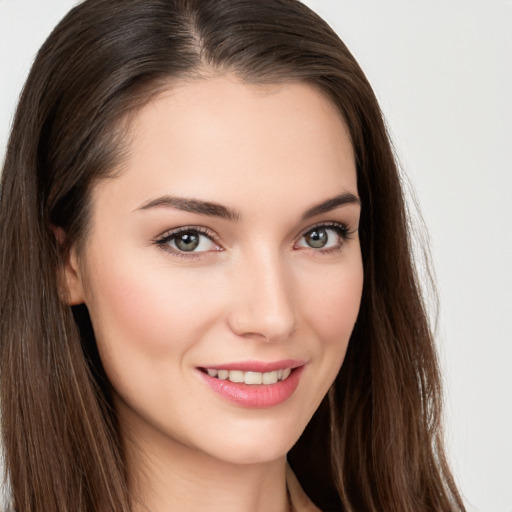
pixel 341 228
pixel 183 229
pixel 163 239
pixel 326 224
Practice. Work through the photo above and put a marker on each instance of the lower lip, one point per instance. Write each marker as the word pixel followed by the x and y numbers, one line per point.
pixel 255 396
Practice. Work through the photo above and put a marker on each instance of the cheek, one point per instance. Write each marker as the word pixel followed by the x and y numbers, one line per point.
pixel 147 311
pixel 148 322
pixel 331 303
pixel 330 306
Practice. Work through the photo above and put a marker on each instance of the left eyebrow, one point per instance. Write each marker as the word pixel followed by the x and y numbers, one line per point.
pixel 331 204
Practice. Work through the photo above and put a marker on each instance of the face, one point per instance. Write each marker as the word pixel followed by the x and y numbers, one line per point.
pixel 222 270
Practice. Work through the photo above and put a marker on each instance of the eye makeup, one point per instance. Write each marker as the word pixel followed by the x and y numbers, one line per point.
pixel 319 239
pixel 184 241
pixel 195 241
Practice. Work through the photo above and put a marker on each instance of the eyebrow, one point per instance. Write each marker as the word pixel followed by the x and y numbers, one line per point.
pixel 192 206
pixel 218 210
pixel 331 204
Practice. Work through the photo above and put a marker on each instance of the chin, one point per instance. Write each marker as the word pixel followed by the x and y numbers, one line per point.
pixel 254 453
pixel 256 444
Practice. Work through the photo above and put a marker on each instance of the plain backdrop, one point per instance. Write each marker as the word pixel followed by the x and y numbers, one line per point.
pixel 442 71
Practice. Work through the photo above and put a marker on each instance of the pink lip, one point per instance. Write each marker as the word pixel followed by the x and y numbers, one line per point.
pixel 259 366
pixel 256 396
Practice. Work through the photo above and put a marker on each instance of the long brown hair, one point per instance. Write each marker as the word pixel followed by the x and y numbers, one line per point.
pixel 375 443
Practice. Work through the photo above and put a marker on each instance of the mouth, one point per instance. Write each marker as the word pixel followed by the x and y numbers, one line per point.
pixel 249 377
pixel 254 384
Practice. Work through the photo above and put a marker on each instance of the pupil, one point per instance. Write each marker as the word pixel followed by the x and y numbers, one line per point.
pixel 187 241
pixel 317 238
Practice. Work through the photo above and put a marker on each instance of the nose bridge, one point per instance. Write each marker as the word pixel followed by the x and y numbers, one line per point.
pixel 263 304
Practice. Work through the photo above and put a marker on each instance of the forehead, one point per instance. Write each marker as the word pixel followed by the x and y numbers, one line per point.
pixel 236 141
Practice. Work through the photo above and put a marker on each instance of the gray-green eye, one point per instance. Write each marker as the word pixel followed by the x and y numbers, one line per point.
pixel 317 238
pixel 188 241
pixel 323 237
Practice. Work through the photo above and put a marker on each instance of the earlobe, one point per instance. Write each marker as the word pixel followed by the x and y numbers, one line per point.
pixel 72 278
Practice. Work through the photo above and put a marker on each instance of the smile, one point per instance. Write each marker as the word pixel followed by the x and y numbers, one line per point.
pixel 251 378
pixel 254 384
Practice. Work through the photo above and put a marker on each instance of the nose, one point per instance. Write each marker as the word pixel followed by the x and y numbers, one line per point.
pixel 262 305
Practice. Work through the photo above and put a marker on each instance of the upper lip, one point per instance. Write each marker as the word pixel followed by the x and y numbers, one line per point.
pixel 258 366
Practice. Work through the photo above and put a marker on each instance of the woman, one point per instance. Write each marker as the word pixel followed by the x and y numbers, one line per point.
pixel 202 222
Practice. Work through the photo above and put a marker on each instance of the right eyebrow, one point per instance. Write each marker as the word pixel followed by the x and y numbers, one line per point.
pixel 191 205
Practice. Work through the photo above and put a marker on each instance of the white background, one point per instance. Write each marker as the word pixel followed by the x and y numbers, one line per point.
pixel 442 71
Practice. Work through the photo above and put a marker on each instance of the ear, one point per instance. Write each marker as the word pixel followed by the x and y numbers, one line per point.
pixel 72 278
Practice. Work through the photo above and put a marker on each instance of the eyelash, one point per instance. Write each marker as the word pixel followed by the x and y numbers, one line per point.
pixel 164 240
pixel 341 230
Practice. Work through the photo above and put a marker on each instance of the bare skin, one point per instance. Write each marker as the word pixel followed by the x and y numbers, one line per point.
pixel 174 289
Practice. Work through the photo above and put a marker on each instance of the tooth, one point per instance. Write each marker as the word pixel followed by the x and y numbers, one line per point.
pixel 269 378
pixel 236 376
pixel 253 378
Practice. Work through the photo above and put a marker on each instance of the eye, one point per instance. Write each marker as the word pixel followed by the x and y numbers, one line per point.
pixel 324 237
pixel 188 240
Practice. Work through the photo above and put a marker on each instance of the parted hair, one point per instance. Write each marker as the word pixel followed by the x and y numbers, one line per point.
pixel 375 443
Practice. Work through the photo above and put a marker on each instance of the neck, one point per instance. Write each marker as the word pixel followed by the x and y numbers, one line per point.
pixel 166 475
